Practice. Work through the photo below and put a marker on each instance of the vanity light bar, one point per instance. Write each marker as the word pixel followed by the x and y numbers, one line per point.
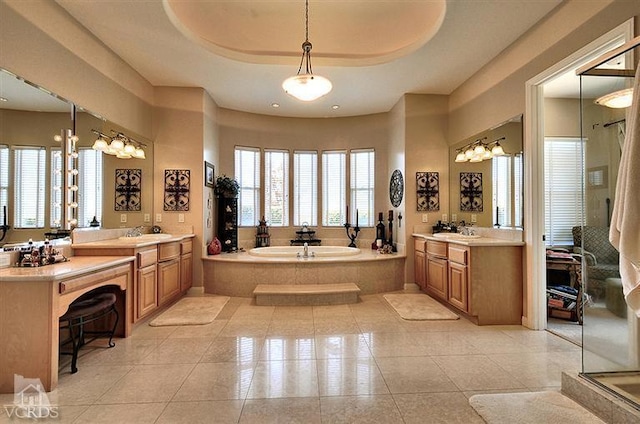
pixel 478 150
pixel 119 145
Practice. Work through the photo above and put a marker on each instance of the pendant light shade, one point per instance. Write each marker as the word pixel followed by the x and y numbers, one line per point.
pixel 617 100
pixel 306 86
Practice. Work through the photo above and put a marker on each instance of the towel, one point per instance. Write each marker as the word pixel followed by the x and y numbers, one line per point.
pixel 624 233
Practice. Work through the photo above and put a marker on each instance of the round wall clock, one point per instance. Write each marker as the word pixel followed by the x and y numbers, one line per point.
pixel 396 188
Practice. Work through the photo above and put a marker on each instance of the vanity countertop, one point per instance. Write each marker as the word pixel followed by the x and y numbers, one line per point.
pixel 132 242
pixel 480 241
pixel 75 266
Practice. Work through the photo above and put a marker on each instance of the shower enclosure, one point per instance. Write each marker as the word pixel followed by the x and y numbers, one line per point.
pixel 611 331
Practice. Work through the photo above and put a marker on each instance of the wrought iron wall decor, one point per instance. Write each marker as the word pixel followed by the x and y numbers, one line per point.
pixel 428 191
pixel 176 189
pixel 396 188
pixel 471 191
pixel 128 190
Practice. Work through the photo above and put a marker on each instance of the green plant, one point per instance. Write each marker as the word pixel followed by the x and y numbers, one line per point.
pixel 226 187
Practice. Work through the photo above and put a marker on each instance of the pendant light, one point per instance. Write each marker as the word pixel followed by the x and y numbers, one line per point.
pixel 307 86
pixel 617 100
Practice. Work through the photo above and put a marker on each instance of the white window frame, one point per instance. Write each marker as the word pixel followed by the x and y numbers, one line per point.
pixel 29 187
pixel 334 188
pixel 362 186
pixel 276 187
pixel 247 174
pixel 305 187
pixel 563 188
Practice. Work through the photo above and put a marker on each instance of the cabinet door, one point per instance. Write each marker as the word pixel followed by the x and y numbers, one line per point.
pixel 146 298
pixel 168 280
pixel 419 269
pixel 437 277
pixel 458 286
pixel 186 279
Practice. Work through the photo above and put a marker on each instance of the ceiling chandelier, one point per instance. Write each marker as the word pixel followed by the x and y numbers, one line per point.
pixel 119 145
pixel 306 87
pixel 617 100
pixel 479 150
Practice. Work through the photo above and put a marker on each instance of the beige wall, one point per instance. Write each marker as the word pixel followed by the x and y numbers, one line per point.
pixel 245 129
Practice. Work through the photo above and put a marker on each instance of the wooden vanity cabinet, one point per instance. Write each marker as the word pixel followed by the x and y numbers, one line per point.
pixel 168 272
pixel 436 269
pixel 419 262
pixel 186 265
pixel 146 292
pixel 458 284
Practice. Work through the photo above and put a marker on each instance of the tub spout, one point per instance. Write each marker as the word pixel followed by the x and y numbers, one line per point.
pixel 305 249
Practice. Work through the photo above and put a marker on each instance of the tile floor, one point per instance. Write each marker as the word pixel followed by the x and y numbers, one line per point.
pixel 327 364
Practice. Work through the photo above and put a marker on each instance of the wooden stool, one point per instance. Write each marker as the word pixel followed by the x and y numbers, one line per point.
pixel 81 312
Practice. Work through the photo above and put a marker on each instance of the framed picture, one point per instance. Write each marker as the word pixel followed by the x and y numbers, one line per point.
pixel 471 191
pixel 209 173
pixel 428 191
pixel 176 189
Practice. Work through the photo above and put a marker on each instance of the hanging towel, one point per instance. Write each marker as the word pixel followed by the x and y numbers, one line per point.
pixel 624 233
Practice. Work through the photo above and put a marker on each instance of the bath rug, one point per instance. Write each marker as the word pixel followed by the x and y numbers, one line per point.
pixel 531 408
pixel 196 310
pixel 418 307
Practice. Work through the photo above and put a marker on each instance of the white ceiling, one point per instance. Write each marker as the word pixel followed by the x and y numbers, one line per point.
pixel 373 51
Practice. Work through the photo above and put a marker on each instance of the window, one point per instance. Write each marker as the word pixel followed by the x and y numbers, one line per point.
pixel 501 174
pixel 362 186
pixel 29 186
pixel 563 197
pixel 334 176
pixel 305 188
pixel 56 188
pixel 4 182
pixel 89 186
pixel 247 169
pixel 276 187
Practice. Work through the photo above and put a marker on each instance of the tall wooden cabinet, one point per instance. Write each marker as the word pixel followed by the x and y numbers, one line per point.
pixel 436 281
pixel 419 263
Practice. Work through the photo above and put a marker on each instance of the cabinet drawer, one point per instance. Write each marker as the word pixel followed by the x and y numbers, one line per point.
pixel 168 251
pixel 147 257
pixel 419 245
pixel 458 254
pixel 186 246
pixel 437 248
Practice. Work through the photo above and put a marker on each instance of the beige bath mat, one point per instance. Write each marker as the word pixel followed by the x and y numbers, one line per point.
pixel 531 408
pixel 418 307
pixel 196 310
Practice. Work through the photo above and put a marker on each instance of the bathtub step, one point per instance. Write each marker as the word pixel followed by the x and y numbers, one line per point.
pixel 306 294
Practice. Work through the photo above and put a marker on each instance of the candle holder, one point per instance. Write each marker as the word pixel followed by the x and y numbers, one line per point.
pixel 352 233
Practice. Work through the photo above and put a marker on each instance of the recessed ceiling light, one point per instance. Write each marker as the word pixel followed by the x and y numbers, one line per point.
pixel 276 105
pixel 334 107
pixel 2 99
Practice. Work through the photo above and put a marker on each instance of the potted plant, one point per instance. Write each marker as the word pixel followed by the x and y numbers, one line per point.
pixel 226 187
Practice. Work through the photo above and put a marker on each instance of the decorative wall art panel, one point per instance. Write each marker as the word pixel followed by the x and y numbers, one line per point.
pixel 428 191
pixel 176 189
pixel 471 191
pixel 128 190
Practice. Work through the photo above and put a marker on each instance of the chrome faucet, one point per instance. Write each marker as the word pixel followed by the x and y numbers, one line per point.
pixel 466 231
pixel 305 250
pixel 135 232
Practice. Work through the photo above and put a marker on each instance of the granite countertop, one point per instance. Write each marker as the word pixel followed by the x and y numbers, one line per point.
pixel 132 242
pixel 479 241
pixel 75 266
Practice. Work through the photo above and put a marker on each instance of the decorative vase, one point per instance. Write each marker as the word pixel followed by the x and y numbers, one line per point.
pixel 215 247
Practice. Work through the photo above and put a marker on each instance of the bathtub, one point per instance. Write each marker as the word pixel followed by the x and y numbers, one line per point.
pixel 238 274
pixel 314 251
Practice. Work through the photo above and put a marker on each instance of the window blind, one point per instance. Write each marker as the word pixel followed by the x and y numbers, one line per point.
pixel 334 176
pixel 501 176
pixel 4 182
pixel 362 186
pixel 563 191
pixel 29 186
pixel 89 186
pixel 518 186
pixel 247 173
pixel 305 188
pixel 276 187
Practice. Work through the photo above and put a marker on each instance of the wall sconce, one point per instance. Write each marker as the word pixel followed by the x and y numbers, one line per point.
pixel 119 145
pixel 479 150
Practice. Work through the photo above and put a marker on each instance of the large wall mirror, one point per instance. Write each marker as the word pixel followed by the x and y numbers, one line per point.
pixel 487 191
pixel 30 119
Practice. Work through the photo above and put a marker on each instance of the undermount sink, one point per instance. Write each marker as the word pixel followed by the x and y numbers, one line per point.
pixel 456 236
pixel 146 237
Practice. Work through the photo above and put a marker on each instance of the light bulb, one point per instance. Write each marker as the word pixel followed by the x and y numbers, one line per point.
pixel 487 154
pixel 476 158
pixel 117 144
pixel 100 144
pixel 73 188
pixel 129 149
pixel 479 150
pixel 74 138
pixel 139 154
pixel 74 155
pixel 73 171
pixel 73 205
pixel 57 138
pixel 497 150
pixel 469 153
pixel 123 155
pixel 461 157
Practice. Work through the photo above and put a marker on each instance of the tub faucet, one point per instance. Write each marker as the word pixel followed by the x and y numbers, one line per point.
pixel 135 232
pixel 305 249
